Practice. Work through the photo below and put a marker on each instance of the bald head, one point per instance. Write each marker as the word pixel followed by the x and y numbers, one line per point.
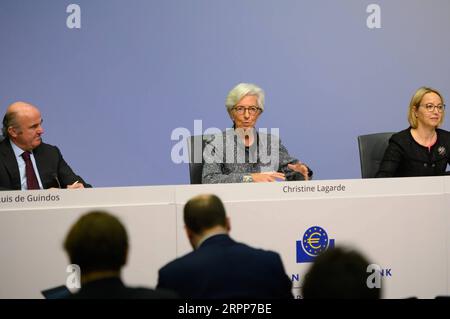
pixel 19 106
pixel 14 111
pixel 22 124
pixel 204 212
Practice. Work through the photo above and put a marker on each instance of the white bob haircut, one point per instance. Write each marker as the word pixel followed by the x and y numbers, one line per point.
pixel 241 90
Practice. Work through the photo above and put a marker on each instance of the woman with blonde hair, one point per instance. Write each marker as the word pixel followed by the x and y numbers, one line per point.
pixel 422 149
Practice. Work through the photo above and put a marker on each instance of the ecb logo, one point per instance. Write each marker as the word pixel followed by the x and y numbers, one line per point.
pixel 315 241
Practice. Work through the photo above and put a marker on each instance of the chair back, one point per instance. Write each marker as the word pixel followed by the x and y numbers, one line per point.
pixel 371 152
pixel 196 145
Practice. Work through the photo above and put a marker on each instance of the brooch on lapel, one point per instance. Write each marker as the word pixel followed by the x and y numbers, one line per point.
pixel 442 151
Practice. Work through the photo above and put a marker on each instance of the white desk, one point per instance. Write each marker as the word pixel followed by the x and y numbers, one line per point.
pixel 401 224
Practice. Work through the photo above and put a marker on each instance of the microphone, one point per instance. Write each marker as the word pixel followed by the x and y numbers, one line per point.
pixel 55 177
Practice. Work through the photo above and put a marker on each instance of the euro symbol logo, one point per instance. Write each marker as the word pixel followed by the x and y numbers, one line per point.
pixel 313 241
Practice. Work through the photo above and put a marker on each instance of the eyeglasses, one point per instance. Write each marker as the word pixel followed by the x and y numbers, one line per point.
pixel 430 107
pixel 252 110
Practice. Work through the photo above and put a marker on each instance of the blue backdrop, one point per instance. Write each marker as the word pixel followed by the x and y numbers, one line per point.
pixel 112 91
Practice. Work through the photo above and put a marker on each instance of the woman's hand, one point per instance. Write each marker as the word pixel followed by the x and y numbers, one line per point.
pixel 267 177
pixel 301 168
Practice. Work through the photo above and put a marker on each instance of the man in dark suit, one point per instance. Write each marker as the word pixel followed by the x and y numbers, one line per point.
pixel 220 267
pixel 98 244
pixel 25 161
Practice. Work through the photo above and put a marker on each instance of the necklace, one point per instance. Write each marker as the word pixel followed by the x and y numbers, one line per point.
pixel 423 141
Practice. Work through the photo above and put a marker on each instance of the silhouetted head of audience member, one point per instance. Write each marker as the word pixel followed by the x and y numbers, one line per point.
pixel 339 273
pixel 204 215
pixel 98 244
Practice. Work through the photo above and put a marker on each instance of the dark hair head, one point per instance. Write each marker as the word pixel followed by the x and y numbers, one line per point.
pixel 97 242
pixel 204 212
pixel 339 274
pixel 8 120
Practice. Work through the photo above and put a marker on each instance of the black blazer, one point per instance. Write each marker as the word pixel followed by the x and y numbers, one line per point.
pixel 113 288
pixel 51 166
pixel 404 157
pixel 223 268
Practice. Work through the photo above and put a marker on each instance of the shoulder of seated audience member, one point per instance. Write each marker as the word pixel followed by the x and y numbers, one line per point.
pixel 180 262
pixel 147 293
pixel 255 251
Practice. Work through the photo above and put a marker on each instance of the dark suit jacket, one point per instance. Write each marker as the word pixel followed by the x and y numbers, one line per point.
pixel 113 288
pixel 50 163
pixel 404 157
pixel 223 268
